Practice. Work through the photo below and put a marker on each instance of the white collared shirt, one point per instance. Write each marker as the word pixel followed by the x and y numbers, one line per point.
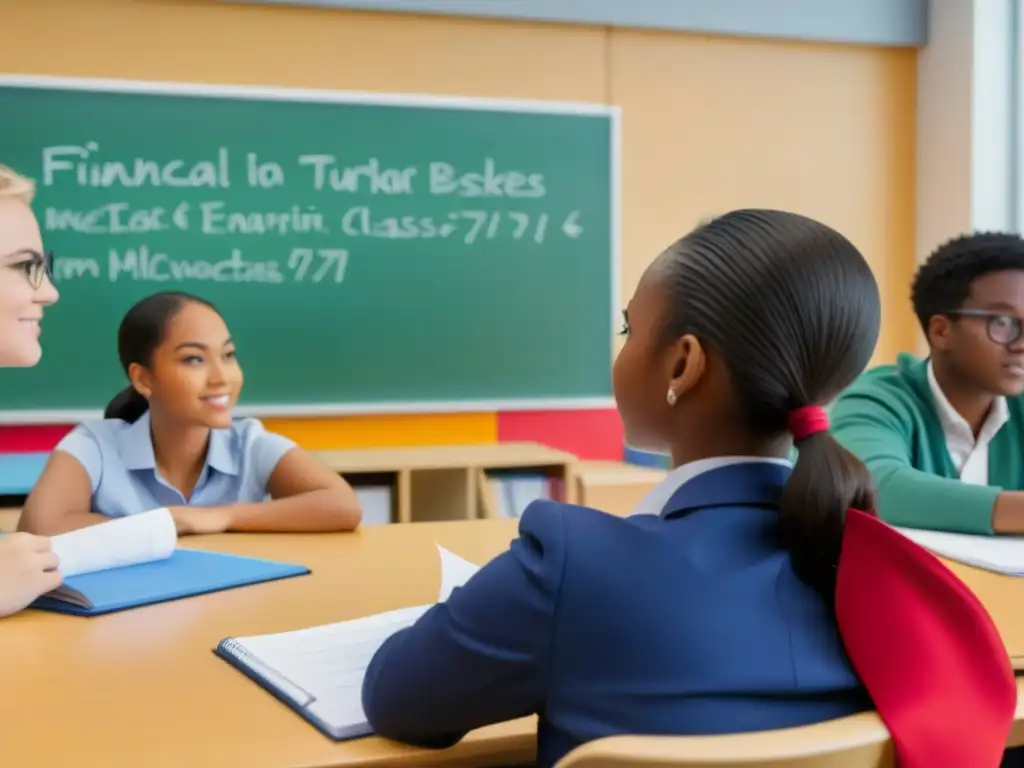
pixel 656 499
pixel 969 455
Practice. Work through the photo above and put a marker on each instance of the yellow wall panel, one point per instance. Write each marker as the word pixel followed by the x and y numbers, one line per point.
pixel 388 431
pixel 713 124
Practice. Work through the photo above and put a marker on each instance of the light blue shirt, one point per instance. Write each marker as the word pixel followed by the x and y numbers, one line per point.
pixel 119 460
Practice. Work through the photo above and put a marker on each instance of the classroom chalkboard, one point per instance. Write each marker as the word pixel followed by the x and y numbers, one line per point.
pixel 370 253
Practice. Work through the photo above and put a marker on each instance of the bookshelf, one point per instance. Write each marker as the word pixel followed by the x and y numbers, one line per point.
pixel 451 482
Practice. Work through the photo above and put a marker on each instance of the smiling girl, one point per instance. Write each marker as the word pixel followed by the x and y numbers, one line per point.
pixel 28 564
pixel 169 440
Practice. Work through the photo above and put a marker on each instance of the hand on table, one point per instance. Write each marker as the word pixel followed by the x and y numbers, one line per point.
pixel 28 569
pixel 196 520
pixel 1008 513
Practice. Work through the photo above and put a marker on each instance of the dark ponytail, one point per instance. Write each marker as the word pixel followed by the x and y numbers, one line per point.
pixel 827 480
pixel 793 310
pixel 141 332
pixel 127 405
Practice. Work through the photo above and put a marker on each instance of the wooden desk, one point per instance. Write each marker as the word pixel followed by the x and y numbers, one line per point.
pixel 143 688
pixel 1003 597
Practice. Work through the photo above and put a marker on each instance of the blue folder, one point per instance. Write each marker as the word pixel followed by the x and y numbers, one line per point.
pixel 186 573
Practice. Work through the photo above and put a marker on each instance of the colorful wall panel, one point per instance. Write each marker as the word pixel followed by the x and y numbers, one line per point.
pixel 709 124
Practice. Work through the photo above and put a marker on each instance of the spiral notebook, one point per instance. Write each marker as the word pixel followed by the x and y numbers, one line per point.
pixel 319 671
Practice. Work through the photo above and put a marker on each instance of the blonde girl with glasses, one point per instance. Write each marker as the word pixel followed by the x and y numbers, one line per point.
pixel 28 565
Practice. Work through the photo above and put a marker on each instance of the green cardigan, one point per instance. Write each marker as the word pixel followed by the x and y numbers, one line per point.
pixel 888 418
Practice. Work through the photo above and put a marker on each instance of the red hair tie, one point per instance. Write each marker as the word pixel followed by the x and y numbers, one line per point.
pixel 806 421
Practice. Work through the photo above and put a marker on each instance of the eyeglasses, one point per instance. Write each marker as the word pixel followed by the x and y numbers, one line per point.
pixel 35 264
pixel 1002 329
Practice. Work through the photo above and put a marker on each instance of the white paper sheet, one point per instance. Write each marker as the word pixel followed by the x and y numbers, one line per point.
pixel 1002 554
pixel 321 669
pixel 141 538
pixel 454 572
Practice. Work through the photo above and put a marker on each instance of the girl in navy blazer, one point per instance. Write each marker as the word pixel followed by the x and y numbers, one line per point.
pixel 745 594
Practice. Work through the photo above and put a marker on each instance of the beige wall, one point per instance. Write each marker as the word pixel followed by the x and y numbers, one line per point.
pixel 708 123
pixel 713 123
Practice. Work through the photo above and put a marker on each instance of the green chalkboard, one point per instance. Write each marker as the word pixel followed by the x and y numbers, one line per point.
pixel 370 253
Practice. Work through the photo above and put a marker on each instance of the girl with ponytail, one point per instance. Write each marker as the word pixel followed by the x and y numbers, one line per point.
pixel 169 440
pixel 745 593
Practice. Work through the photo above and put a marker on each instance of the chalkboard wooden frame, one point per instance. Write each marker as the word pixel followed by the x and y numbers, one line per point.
pixel 275 93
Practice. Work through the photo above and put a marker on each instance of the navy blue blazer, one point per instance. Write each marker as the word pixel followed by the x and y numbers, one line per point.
pixel 691 622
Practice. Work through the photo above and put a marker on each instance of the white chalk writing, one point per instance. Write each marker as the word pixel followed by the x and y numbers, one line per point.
pixel 142 263
pixel 215 220
pixel 331 264
pixel 446 180
pixel 317 227
pixel 368 177
pixel 88 165
pixel 469 225
pixel 88 170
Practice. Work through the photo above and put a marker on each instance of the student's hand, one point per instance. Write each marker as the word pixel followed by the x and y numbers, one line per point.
pixel 1008 513
pixel 196 520
pixel 28 569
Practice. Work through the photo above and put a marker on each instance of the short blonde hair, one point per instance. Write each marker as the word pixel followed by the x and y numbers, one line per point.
pixel 13 184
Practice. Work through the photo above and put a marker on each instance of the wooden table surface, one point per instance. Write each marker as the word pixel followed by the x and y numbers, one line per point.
pixel 143 689
pixel 1003 597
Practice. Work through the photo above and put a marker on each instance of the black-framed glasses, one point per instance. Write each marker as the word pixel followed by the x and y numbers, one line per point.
pixel 35 264
pixel 1001 328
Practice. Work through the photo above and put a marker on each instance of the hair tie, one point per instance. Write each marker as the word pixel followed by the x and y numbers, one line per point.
pixel 806 421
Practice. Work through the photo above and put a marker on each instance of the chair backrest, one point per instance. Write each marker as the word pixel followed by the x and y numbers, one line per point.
pixel 858 741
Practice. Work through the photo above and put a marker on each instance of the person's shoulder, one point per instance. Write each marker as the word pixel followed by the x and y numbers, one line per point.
pixel 903 383
pixel 97 445
pixel 556 523
pixel 247 435
pixel 1015 406
pixel 101 430
pixel 908 372
pixel 547 530
pixel 246 427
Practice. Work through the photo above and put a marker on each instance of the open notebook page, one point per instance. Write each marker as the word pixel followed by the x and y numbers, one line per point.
pixel 141 538
pixel 1002 554
pixel 321 669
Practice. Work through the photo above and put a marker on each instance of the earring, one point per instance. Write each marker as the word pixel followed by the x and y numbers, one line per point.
pixel 670 398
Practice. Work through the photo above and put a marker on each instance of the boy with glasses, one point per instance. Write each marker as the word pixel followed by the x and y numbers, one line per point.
pixel 944 436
